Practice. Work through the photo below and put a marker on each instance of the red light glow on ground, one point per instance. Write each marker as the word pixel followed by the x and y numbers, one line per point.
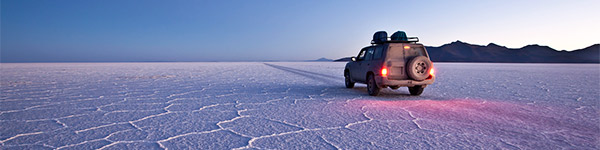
pixel 482 117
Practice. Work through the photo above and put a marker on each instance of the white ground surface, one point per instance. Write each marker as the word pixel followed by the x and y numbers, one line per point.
pixel 301 105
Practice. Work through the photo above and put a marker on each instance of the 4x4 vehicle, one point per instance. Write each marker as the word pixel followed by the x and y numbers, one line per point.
pixel 394 63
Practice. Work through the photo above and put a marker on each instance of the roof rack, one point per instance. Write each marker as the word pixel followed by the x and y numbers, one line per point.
pixel 408 40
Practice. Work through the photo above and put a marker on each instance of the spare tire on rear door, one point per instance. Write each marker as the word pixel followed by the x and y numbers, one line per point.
pixel 418 68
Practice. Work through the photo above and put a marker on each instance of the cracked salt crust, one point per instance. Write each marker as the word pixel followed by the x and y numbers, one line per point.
pixel 299 105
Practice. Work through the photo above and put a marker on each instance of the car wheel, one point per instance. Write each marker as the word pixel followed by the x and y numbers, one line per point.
pixel 349 83
pixel 372 87
pixel 416 90
pixel 418 68
pixel 394 87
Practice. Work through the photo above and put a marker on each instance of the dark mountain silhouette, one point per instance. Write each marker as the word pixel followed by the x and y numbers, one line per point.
pixel 464 52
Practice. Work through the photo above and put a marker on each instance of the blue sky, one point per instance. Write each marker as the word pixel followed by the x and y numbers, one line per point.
pixel 158 30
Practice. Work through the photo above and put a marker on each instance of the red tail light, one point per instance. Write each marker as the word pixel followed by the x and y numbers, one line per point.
pixel 431 72
pixel 384 72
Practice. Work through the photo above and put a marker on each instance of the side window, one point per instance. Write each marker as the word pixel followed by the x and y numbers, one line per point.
pixel 370 52
pixel 361 55
pixel 378 52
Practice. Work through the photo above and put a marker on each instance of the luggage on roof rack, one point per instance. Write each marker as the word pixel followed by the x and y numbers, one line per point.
pixel 399 36
pixel 380 37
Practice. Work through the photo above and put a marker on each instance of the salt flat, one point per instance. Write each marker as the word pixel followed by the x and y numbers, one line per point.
pixel 294 105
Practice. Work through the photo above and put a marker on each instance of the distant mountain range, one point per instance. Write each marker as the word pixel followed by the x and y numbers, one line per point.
pixel 464 52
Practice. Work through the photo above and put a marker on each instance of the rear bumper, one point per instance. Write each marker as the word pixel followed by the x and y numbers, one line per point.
pixel 385 82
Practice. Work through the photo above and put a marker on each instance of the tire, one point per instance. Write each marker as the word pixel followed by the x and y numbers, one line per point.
pixel 394 87
pixel 372 87
pixel 416 90
pixel 349 83
pixel 418 68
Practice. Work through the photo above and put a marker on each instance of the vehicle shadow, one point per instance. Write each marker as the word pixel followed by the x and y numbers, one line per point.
pixel 328 79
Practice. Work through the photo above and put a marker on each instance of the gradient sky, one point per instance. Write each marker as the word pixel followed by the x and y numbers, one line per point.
pixel 236 30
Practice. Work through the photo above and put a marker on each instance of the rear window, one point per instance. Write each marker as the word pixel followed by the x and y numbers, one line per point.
pixel 398 51
pixel 416 50
pixel 395 52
